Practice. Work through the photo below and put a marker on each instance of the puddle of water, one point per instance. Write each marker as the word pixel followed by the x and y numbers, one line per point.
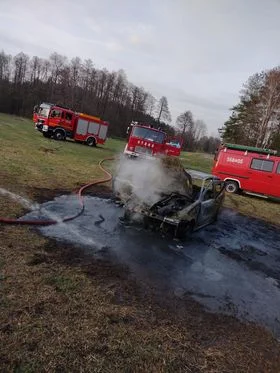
pixel 232 266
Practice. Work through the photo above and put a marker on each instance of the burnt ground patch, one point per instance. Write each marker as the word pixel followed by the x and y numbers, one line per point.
pixel 119 298
pixel 229 267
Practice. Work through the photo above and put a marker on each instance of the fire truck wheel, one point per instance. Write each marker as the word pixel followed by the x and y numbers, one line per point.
pixel 47 135
pixel 91 141
pixel 232 186
pixel 59 135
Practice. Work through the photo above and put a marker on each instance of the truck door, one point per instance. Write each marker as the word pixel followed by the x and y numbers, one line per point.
pixel 55 118
pixel 275 182
pixel 260 176
pixel 68 122
pixel 207 198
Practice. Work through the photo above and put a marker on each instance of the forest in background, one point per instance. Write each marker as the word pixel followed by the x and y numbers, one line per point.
pixel 255 119
pixel 26 81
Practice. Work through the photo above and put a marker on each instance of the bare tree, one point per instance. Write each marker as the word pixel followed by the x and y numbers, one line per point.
pixel 80 85
pixel 150 104
pixel 270 104
pixel 200 129
pixel 255 119
pixel 20 68
pixel 185 122
pixel 5 66
pixel 163 110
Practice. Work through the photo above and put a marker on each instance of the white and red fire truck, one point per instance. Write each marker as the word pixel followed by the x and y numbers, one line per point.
pixel 252 170
pixel 60 122
pixel 149 141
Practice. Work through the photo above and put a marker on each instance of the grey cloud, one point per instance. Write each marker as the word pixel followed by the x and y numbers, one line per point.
pixel 198 53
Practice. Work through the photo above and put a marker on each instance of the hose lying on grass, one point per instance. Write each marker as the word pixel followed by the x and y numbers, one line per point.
pixel 79 196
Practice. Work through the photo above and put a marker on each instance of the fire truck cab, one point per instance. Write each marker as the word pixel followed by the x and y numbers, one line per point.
pixel 252 170
pixel 61 122
pixel 149 141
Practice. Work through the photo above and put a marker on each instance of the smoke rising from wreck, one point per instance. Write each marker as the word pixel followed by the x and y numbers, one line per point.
pixel 142 182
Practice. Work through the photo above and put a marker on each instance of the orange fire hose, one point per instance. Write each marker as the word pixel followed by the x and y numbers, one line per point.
pixel 67 218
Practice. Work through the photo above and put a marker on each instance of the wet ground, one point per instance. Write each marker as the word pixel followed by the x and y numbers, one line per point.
pixel 232 266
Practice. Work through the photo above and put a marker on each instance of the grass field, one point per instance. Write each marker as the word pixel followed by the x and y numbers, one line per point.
pixel 30 163
pixel 62 311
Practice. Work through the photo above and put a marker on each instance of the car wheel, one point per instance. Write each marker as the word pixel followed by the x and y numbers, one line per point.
pixel 232 186
pixel 91 141
pixel 59 135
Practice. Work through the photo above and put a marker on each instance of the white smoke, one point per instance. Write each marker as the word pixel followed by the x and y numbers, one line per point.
pixel 143 182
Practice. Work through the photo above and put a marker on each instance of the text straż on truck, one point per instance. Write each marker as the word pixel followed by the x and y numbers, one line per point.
pixel 145 140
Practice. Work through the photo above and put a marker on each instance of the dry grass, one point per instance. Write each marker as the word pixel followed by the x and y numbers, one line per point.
pixel 64 311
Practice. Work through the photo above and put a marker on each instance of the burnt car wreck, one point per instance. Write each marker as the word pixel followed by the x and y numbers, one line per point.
pixel 189 203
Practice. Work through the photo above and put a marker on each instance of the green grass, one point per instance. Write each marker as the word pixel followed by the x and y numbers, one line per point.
pixel 197 161
pixel 27 158
pixel 28 161
pixel 60 311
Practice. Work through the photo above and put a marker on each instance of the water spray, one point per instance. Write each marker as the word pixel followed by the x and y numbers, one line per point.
pixel 26 203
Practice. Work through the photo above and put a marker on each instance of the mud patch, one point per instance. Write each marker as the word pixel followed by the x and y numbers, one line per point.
pixel 231 267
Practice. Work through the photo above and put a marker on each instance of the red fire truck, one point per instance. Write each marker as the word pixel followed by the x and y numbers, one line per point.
pixel 252 170
pixel 60 122
pixel 146 140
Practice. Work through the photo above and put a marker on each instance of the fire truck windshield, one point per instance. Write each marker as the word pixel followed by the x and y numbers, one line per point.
pixel 148 134
pixel 44 110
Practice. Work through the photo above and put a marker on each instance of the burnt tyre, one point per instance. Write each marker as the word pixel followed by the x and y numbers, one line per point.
pixel 91 141
pixel 184 229
pixel 59 135
pixel 232 186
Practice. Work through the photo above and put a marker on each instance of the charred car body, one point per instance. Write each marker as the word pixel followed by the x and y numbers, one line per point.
pixel 190 202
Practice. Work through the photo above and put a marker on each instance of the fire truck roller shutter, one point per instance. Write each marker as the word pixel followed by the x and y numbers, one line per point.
pixel 103 132
pixel 93 128
pixel 82 127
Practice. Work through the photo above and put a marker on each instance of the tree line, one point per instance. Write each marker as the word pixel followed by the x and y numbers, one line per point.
pixel 25 82
pixel 255 119
pixel 194 133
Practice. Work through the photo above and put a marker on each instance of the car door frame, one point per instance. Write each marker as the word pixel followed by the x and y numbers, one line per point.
pixel 206 205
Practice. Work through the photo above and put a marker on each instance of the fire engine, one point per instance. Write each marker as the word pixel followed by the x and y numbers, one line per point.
pixel 149 141
pixel 249 169
pixel 60 122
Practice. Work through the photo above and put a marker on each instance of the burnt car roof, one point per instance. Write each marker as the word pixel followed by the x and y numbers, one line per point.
pixel 200 175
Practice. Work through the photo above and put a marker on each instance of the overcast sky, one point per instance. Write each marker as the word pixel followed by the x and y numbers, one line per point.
pixel 197 53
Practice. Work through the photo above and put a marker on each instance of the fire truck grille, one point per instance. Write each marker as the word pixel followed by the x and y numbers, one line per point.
pixel 143 150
